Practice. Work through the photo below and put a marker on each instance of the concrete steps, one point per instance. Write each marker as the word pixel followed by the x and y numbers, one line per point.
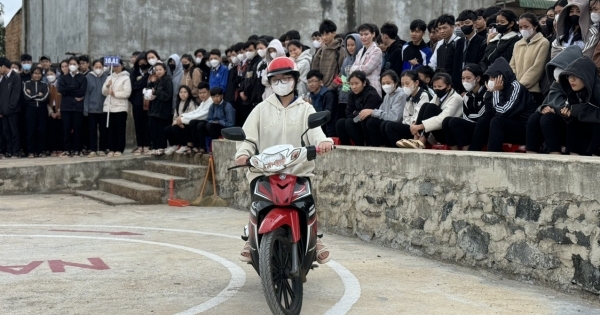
pixel 190 171
pixel 144 194
pixel 159 180
pixel 106 198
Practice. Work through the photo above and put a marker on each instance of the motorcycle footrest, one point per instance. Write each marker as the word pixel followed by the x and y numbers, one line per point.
pixel 314 266
pixel 320 235
pixel 245 238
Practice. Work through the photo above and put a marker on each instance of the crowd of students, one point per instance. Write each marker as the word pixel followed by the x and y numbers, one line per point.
pixel 485 78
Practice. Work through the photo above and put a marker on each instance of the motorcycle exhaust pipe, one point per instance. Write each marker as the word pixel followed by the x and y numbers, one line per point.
pixel 295 261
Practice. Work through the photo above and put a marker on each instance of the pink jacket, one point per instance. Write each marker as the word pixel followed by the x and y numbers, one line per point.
pixel 370 64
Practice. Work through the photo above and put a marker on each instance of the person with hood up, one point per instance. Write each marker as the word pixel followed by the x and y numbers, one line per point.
pixel 275 50
pixel 502 43
pixel 369 59
pixel 176 72
pixel 574 27
pixel 595 17
pixel 508 107
pixel 546 124
pixel 530 55
pixel 581 84
pixel 93 105
pixel 117 90
pixel 301 55
pixel 329 58
pixel 161 109
pixel 139 80
pixel 363 97
pixel 36 97
pixel 353 45
pixel 391 109
pixel 262 129
pixel 446 103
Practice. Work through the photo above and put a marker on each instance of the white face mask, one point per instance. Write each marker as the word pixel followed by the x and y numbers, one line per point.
pixel 51 78
pixel 198 61
pixel 283 89
pixel 595 17
pixel 557 72
pixel 262 52
pixel 250 55
pixel 491 84
pixel 408 90
pixel 241 57
pixel 98 72
pixel 152 61
pixel 388 88
pixel 73 68
pixel 234 60
pixel 527 34
pixel 273 55
pixel 468 85
pixel 214 63
pixel 316 44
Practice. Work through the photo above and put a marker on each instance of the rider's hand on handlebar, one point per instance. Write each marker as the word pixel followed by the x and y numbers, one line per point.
pixel 324 147
pixel 242 160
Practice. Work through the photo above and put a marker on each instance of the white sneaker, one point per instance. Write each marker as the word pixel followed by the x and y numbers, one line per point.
pixel 170 150
pixel 181 150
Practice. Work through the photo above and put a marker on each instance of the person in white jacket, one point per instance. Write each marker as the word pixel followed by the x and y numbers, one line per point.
pixel 117 90
pixel 274 50
pixel 195 117
pixel 301 55
pixel 446 103
pixel 178 134
pixel 281 119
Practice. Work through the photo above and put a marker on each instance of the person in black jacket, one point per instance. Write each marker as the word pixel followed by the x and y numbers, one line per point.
pixel 469 49
pixel 36 95
pixel 139 80
pixel 501 44
pixel 322 99
pixel 161 109
pixel 72 87
pixel 508 107
pixel 458 131
pixel 393 54
pixel 235 77
pixel 581 84
pixel 250 81
pixel 10 96
pixel 363 96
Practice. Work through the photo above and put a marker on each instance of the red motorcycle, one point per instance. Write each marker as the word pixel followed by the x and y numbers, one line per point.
pixel 282 232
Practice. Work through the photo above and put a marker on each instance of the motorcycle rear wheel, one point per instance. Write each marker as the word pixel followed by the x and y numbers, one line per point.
pixel 283 291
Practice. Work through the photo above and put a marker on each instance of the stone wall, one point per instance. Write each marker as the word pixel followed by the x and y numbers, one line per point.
pixel 535 217
pixel 14 31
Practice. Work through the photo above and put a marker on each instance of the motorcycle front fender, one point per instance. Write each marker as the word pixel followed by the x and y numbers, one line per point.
pixel 279 217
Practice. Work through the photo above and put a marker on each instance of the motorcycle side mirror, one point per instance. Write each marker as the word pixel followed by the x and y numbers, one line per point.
pixel 234 134
pixel 319 119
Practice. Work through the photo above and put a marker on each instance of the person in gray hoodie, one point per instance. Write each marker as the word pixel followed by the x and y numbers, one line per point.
pixel 352 45
pixel 93 104
pixel 176 72
pixel 391 109
pixel 546 124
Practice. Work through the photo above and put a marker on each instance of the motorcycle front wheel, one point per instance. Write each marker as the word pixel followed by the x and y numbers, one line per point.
pixel 283 291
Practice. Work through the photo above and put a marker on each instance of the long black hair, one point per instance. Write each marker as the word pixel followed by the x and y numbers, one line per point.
pixel 414 75
pixel 361 75
pixel 193 66
pixel 189 100
pixel 569 27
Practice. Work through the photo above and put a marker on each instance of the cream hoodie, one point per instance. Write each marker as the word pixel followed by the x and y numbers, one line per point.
pixel 272 124
pixel 121 85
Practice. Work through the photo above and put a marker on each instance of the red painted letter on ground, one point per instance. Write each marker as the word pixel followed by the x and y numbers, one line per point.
pixel 23 269
pixel 59 265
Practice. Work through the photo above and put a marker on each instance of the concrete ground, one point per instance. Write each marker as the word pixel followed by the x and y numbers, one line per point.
pixel 62 254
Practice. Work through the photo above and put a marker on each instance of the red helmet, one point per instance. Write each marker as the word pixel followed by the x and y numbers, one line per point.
pixel 281 65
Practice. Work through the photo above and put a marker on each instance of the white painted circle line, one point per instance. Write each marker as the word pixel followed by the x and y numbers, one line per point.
pixel 238 276
pixel 352 290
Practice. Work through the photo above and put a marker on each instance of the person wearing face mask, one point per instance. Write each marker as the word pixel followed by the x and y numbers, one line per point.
pixel 595 17
pixel 301 55
pixel 285 106
pixel 234 78
pixel 546 125
pixel 36 97
pixel 508 105
pixel 316 40
pixel 274 50
pixel 161 109
pixel 73 87
pixel 574 27
pixel 192 75
pixel 417 95
pixel 353 128
pixel 530 56
pixel 502 42
pixel 54 124
pixel 117 90
pixel 261 71
pixel 93 104
pixel 446 103
pixel 139 77
pixel 250 82
pixel 176 73
pixel 219 72
pixel 391 110
pixel 458 131
pixel 201 59
pixel 27 65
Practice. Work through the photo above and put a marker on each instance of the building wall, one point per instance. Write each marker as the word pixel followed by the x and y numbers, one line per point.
pixel 123 26
pixel 14 31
